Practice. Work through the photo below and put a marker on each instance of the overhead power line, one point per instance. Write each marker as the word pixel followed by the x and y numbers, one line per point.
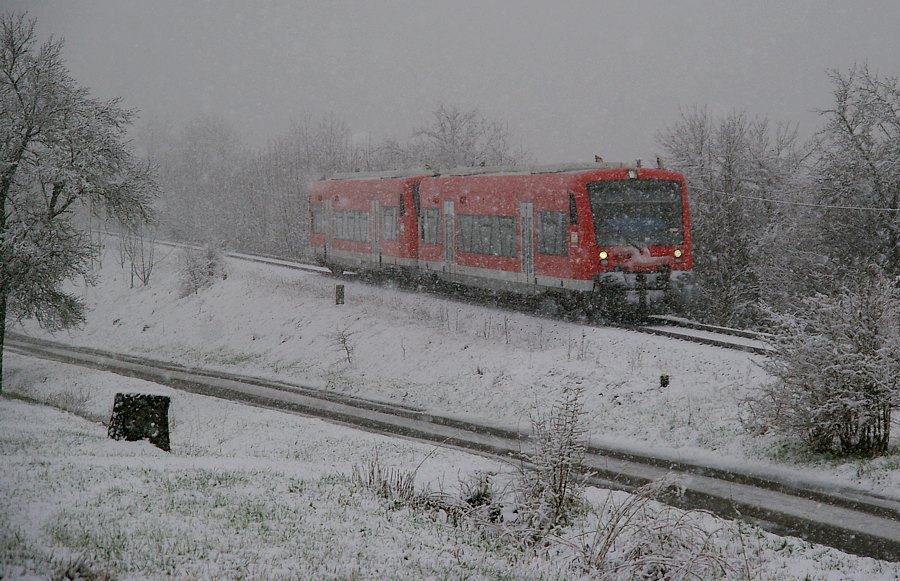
pixel 790 203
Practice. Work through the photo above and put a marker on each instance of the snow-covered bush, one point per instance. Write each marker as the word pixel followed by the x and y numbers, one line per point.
pixel 635 536
pixel 548 494
pixel 836 368
pixel 388 482
pixel 343 340
pixel 82 569
pixel 543 511
pixel 198 268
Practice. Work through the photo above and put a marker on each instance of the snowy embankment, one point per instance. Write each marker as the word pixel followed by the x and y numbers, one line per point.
pixel 455 359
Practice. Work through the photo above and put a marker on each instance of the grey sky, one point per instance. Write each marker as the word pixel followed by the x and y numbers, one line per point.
pixel 570 78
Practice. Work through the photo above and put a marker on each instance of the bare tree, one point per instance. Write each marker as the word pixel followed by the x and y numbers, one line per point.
pixel 858 165
pixel 343 340
pixel 59 148
pixel 200 180
pixel 733 164
pixel 458 138
pixel 139 247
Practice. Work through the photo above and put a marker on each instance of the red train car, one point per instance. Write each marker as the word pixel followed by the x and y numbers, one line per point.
pixel 578 231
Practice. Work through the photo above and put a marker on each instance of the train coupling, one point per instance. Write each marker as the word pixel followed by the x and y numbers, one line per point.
pixel 633 281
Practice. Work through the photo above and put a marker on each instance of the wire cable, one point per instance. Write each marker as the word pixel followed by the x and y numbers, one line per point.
pixel 790 203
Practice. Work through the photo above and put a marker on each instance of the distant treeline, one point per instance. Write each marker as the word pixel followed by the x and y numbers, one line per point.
pixel 774 218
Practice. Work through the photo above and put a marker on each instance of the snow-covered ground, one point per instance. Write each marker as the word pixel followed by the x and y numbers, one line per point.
pixel 227 501
pixel 245 492
pixel 456 359
pixel 251 493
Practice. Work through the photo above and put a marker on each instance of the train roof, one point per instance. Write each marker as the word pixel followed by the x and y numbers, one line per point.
pixel 485 171
pixel 385 175
pixel 539 169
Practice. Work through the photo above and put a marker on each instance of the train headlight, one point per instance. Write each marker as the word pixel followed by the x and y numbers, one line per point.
pixel 678 253
pixel 604 255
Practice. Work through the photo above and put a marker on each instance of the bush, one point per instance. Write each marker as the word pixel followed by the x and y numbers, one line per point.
pixel 637 537
pixel 198 268
pixel 81 569
pixel 629 536
pixel 549 493
pixel 836 369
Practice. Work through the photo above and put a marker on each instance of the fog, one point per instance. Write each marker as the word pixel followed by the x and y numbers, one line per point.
pixel 570 79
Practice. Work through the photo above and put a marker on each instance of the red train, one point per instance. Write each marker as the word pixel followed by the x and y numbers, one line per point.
pixel 585 233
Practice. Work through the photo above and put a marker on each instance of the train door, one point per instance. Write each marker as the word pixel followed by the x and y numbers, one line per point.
pixel 329 227
pixel 374 235
pixel 449 238
pixel 526 242
pixel 412 236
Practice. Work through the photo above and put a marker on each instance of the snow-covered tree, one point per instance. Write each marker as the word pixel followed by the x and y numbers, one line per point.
pixel 59 149
pixel 200 179
pixel 277 179
pixel 256 201
pixel 836 368
pixel 728 162
pixel 858 165
pixel 457 138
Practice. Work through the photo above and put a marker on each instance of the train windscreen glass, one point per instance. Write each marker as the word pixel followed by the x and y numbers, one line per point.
pixel 637 212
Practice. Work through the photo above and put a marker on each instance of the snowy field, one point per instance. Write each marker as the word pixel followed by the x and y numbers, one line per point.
pixel 256 494
pixel 245 492
pixel 261 494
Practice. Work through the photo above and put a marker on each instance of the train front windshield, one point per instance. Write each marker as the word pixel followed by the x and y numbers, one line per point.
pixel 637 213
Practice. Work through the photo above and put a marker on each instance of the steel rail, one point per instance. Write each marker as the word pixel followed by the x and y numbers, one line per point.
pixel 716 340
pixel 671 324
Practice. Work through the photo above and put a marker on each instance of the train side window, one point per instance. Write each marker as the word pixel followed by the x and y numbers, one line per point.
pixel 351 225
pixel 573 211
pixel 507 237
pixel 490 235
pixel 402 204
pixel 552 233
pixel 362 226
pixel 318 219
pixel 340 226
pixel 430 230
pixel 389 224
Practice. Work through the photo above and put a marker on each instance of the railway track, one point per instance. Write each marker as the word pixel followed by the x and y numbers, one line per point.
pixel 850 520
pixel 663 326
pixel 694 332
